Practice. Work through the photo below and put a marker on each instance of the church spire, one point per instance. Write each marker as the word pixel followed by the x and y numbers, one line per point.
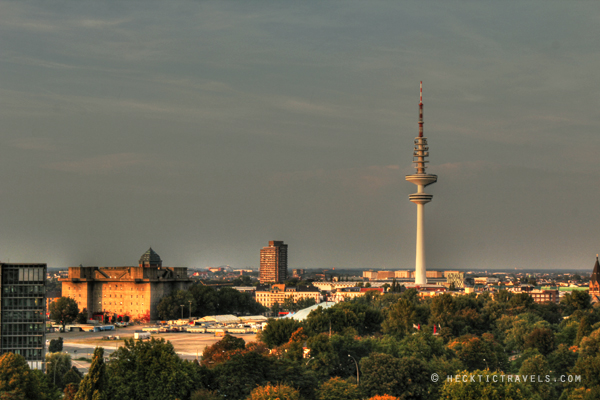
pixel 595 273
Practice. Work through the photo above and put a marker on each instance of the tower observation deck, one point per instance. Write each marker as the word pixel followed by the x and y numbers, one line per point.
pixel 421 179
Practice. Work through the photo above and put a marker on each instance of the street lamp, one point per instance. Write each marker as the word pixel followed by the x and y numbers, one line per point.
pixel 190 309
pixel 181 311
pixel 357 376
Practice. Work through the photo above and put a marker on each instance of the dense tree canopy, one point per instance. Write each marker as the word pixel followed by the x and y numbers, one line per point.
pixel 397 340
pixel 206 300
pixel 17 380
pixel 149 370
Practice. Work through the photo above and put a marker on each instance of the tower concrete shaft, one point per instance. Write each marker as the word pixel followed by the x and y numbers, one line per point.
pixel 421 179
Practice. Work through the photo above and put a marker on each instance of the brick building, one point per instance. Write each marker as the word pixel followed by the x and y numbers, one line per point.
pixel 273 262
pixel 544 295
pixel 132 291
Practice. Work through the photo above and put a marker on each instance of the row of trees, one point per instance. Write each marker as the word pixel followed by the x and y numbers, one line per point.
pixel 200 300
pixel 374 338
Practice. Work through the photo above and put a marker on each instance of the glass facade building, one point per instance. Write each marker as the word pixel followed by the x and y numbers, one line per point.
pixel 23 311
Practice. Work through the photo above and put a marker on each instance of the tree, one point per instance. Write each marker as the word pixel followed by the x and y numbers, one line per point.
pixel 17 379
pixel 562 359
pixel 401 318
pixel 275 308
pixel 72 377
pixel 338 388
pixel 478 353
pixel 57 365
pixel 336 319
pixel 149 370
pixel 405 377
pixel 82 317
pixel 274 392
pixel 541 339
pixel 576 300
pixel 538 366
pixel 170 306
pixel 205 394
pixel 55 345
pixel 484 388
pixel 585 328
pixel 70 391
pixel 305 303
pixel 93 386
pixel 64 311
pixel 220 351
pixel 237 377
pixel 278 331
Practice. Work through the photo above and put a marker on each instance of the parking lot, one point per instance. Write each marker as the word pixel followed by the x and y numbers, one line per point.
pixel 187 345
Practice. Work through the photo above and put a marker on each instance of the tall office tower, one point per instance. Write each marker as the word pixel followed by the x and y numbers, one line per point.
pixel 421 179
pixel 273 262
pixel 23 311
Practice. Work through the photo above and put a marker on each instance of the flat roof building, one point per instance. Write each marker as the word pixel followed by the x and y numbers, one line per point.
pixel 279 293
pixel 133 291
pixel 23 311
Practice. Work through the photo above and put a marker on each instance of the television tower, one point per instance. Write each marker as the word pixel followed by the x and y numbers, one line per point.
pixel 421 179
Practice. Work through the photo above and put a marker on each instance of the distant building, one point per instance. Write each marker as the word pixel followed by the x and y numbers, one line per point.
pixel 484 280
pixel 386 274
pixel 544 295
pixel 455 277
pixel 273 262
pixel 350 293
pixel 370 274
pixel 216 269
pixel 297 273
pixel 332 285
pixel 245 289
pixel 132 291
pixel 594 283
pixel 405 274
pixel 23 311
pixel 434 274
pixel 51 297
pixel 278 293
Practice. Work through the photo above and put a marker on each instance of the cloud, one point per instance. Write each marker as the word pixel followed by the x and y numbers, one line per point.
pixel 366 180
pixel 100 164
pixel 34 143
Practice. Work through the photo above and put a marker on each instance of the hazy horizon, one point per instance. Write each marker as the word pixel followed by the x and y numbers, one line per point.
pixel 207 129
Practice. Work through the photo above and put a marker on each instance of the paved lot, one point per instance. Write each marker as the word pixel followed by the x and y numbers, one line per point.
pixel 187 345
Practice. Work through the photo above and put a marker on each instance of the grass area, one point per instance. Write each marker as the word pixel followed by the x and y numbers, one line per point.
pixel 83 359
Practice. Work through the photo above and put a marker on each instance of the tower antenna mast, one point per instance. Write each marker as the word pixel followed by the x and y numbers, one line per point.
pixel 421 179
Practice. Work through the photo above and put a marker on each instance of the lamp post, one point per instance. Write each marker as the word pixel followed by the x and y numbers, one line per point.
pixel 190 309
pixel 357 375
pixel 181 311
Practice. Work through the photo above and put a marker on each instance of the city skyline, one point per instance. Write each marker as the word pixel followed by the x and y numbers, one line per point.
pixel 206 129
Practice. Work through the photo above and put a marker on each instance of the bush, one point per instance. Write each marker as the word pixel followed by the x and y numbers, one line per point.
pixel 56 345
pixel 279 392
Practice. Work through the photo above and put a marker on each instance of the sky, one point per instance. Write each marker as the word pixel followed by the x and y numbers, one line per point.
pixel 207 129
